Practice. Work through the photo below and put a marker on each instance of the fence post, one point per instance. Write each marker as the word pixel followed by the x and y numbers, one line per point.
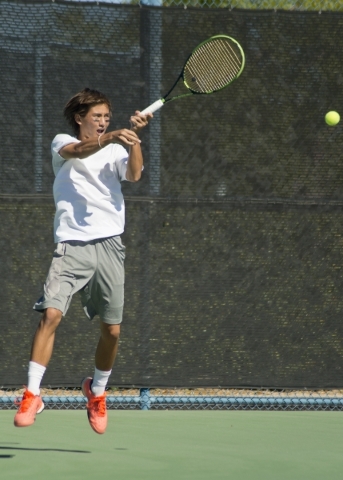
pixel 144 394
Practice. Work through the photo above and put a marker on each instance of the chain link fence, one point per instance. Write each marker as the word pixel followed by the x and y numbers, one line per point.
pixel 178 398
pixel 186 399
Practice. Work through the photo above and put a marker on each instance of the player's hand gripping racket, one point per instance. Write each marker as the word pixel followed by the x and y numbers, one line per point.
pixel 212 66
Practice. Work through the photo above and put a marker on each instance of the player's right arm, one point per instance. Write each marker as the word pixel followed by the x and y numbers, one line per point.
pixel 89 146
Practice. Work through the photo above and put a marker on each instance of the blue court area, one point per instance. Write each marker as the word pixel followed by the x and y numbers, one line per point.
pixel 190 445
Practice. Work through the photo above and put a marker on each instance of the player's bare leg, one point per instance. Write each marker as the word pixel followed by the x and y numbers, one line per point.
pixel 43 341
pixel 107 346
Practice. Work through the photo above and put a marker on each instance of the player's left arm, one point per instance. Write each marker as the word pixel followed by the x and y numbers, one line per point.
pixel 135 160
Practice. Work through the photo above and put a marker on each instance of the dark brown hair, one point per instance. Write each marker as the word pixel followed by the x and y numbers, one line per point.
pixel 81 103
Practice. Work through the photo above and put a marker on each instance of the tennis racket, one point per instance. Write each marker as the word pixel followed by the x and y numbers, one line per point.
pixel 212 66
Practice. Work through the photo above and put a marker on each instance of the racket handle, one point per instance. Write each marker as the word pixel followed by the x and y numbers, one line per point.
pixel 153 107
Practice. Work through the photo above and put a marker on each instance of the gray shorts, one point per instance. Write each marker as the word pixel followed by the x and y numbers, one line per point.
pixel 96 270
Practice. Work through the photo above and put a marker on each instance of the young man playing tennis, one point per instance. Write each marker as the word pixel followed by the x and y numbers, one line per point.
pixel 89 256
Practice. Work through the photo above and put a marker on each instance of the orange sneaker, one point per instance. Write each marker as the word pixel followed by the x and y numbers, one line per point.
pixel 96 407
pixel 29 406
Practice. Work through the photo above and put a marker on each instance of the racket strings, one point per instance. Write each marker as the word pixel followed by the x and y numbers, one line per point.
pixel 218 65
pixel 212 66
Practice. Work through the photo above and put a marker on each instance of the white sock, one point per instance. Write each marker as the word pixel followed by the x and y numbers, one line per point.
pixel 36 373
pixel 100 380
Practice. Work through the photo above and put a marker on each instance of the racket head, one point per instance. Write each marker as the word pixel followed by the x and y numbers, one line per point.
pixel 213 65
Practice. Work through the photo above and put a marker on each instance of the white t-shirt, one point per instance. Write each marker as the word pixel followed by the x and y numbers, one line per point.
pixel 87 192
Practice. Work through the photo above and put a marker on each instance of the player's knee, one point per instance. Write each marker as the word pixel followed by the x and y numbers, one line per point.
pixel 51 318
pixel 111 333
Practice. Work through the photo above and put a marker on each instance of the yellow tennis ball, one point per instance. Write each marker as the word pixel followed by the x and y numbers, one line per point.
pixel 332 118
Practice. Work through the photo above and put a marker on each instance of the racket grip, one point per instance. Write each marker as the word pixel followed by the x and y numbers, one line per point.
pixel 153 107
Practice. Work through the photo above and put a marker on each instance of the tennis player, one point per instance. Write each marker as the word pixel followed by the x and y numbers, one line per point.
pixel 89 256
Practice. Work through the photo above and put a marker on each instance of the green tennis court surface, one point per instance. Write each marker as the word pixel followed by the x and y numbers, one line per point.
pixel 167 445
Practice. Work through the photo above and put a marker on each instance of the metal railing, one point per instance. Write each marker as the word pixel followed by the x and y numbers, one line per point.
pixel 292 5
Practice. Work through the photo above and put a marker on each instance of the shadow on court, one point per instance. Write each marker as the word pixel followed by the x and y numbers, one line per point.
pixel 42 450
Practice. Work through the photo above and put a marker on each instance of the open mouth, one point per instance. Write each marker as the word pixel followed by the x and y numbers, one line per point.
pixel 100 131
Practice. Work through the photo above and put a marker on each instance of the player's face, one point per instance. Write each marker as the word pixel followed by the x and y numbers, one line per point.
pixel 95 123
